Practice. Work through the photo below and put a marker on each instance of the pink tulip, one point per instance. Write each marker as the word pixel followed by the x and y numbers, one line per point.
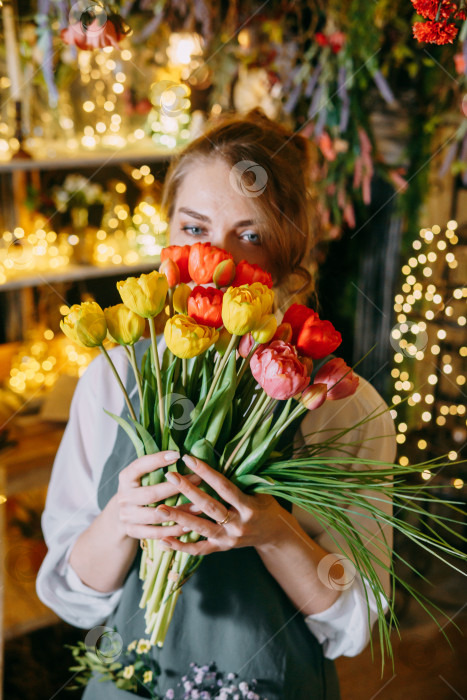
pixel 337 371
pixel 314 396
pixel 245 345
pixel 277 369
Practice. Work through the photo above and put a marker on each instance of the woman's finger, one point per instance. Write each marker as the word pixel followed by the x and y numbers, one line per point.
pixel 153 532
pixel 142 515
pixel 221 485
pixel 131 475
pixel 206 528
pixel 210 506
pixel 197 548
pixel 147 495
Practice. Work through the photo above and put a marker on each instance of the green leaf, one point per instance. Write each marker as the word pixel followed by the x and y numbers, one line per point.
pixel 222 407
pixel 260 434
pixel 149 443
pixel 149 397
pixel 138 444
pixel 203 449
pixel 246 480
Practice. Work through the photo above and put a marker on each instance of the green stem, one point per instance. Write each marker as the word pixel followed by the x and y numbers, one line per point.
pixel 132 358
pixel 117 377
pixel 233 343
pixel 265 407
pixel 184 372
pixel 157 369
pixel 246 363
pixel 298 411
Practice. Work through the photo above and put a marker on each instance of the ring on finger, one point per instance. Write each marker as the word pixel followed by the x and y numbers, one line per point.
pixel 226 519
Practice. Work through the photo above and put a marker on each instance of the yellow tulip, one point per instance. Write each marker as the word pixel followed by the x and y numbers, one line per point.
pixel 85 324
pixel 146 294
pixel 180 298
pixel 123 325
pixel 266 331
pixel 266 296
pixel 186 338
pixel 241 309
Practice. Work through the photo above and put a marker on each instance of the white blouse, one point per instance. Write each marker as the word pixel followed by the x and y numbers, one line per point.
pixel 72 504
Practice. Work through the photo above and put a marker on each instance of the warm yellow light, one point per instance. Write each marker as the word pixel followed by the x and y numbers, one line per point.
pixel 417 245
pixel 403 461
pixel 64 309
pixel 402 427
pixel 426 474
pixel 461 320
pixel 452 224
pixel 400 439
pixel 416 397
pixel 421 444
pixel 458 483
pixel 426 416
pixel 452 455
pixel 48 334
pixel 436 229
pixel 441 420
pixel 435 349
pixel 441 334
pixel 460 380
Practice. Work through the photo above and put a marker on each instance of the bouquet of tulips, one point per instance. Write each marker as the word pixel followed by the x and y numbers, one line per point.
pixel 247 382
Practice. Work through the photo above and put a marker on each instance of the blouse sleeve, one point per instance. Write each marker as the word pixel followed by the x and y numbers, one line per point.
pixel 344 629
pixel 71 503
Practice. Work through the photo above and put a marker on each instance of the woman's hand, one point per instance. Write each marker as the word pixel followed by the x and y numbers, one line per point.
pixel 249 520
pixel 135 518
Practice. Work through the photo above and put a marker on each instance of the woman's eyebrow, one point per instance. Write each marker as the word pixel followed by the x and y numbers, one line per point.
pixel 203 217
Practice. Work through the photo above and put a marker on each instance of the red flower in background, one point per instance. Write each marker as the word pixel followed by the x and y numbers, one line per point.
pixel 90 31
pixel 203 260
pixel 429 8
pixel 278 370
pixel 318 338
pixel 205 306
pixel 296 315
pixel 435 32
pixel 179 254
pixel 247 273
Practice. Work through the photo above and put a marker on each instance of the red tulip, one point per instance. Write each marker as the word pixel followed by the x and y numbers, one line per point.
pixel 318 338
pixel 203 260
pixel 278 370
pixel 296 315
pixel 205 306
pixel 179 254
pixel 283 332
pixel 169 268
pixel 247 273
pixel 337 371
pixel 224 273
pixel 314 396
pixel 245 345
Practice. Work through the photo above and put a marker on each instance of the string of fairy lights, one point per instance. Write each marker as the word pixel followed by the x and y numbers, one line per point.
pixel 429 340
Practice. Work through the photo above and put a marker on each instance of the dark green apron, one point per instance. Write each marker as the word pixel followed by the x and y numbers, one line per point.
pixel 231 611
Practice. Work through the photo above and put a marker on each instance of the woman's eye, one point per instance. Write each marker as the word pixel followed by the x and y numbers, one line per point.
pixel 251 237
pixel 191 231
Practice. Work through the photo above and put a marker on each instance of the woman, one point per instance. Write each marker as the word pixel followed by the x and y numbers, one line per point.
pixel 268 601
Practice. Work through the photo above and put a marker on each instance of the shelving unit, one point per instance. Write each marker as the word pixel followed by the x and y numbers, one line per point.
pixel 26 465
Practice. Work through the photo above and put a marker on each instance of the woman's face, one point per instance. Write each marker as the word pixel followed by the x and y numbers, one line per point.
pixel 209 210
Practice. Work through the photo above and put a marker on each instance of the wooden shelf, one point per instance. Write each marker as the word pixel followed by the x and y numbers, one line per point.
pixel 58 158
pixel 76 272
